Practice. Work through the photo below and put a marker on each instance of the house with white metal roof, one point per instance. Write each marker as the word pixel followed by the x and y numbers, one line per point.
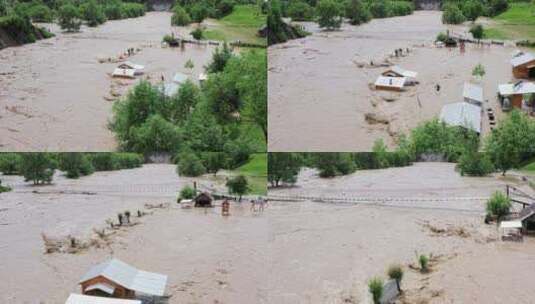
pixel 473 93
pixel 516 95
pixel 523 65
pixel 83 299
pixel 127 65
pixel 124 73
pixel 390 83
pixel 462 114
pixel 118 279
pixel 397 71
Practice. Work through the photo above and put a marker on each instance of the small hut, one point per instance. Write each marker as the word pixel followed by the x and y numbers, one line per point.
pixel 523 65
pixel 390 83
pixel 516 95
pixel 203 199
pixel 117 279
pixel 127 65
pixel 124 73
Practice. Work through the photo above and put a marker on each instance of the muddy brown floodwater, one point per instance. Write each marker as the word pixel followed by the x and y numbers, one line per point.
pixel 327 252
pixel 319 86
pixel 56 96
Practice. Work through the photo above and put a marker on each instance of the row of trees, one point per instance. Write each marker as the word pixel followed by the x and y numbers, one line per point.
pixel 227 113
pixel 509 146
pixel 457 11
pixel 187 11
pixel 39 168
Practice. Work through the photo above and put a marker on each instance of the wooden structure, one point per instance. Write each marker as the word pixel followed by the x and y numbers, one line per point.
pixel 203 199
pixel 516 95
pixel 225 208
pixel 117 279
pixel 523 65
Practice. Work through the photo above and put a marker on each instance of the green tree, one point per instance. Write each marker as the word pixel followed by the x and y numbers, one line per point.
pixel 75 164
pixel 395 272
pixel 381 154
pixel 213 161
pixel 180 16
pixel 376 288
pixel 187 192
pixel 156 135
pixel 473 163
pixel 197 33
pixel 238 185
pixel 220 57
pixel 329 14
pixel 189 164
pixel 498 205
pixel 68 18
pixel 300 11
pixel 357 12
pixel 379 9
pixel 477 31
pixel 10 163
pixel 204 132
pixel 479 71
pixel 423 260
pixel 512 141
pixel 283 167
pixel 452 14
pixel 472 9
pixel 38 168
pixel 183 104
pixel 93 13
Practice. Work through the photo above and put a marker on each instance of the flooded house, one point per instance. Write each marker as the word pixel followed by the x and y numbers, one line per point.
pixel 527 218
pixel 203 199
pixel 390 83
pixel 83 299
pixel 117 279
pixel 473 93
pixel 127 65
pixel 462 114
pixel 516 95
pixel 523 65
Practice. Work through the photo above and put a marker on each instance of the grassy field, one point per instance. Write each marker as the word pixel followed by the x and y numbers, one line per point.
pixel 256 172
pixel 242 24
pixel 518 22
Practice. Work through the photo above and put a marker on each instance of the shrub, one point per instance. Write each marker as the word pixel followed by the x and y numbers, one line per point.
pixel 400 8
pixel 395 272
pixel 477 31
pixel 238 185
pixel 40 13
pixel 472 9
pixel 498 205
pixel 473 163
pixel 68 18
pixel 189 164
pixel 4 188
pixel 10 163
pixel 38 168
pixel 113 10
pixel 199 11
pixel 357 12
pixel 329 14
pixel 107 161
pixel 155 135
pixel 452 15
pixel 300 11
pixel 197 33
pixel 75 164
pixel 220 57
pixel 132 10
pixel 376 288
pixel 498 6
pixel 180 16
pixel 187 193
pixel 423 260
pixel 379 9
pixel 18 28
pixel 225 7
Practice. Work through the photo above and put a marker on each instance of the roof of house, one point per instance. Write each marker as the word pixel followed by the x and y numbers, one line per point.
pixel 402 72
pixel 203 194
pixel 473 92
pixel 128 277
pixel 180 78
pixel 462 114
pixel 83 299
pixel 510 224
pixel 107 288
pixel 130 65
pixel 129 73
pixel 394 82
pixel 522 59
pixel 526 212
pixel 521 87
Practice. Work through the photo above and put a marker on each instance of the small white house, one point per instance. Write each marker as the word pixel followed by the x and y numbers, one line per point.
pixel 390 83
pixel 138 68
pixel 124 73
pixel 397 71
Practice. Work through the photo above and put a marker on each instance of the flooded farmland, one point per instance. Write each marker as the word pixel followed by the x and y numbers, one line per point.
pixel 320 86
pixel 55 94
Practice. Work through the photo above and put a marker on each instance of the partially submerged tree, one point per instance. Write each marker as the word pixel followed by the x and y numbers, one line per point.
pixel 189 164
pixel 395 272
pixel 283 167
pixel 479 71
pixel 423 260
pixel 180 16
pixel 357 12
pixel 187 192
pixel 376 288
pixel 75 164
pixel 477 31
pixel 498 206
pixel 68 18
pixel 38 168
pixel 238 185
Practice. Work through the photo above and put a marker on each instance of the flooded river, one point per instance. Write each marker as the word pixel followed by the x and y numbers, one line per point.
pixel 320 86
pixel 56 96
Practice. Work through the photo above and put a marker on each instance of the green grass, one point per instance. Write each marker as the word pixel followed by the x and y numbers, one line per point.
pixel 242 24
pixel 256 173
pixel 518 22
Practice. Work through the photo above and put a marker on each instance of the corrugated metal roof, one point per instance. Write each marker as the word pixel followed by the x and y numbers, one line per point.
pixel 462 114
pixel 131 65
pixel 129 277
pixel 180 78
pixel 522 59
pixel 83 299
pixel 522 87
pixel 394 82
pixel 511 224
pixel 473 92
pixel 129 73
pixel 405 73
pixel 101 286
